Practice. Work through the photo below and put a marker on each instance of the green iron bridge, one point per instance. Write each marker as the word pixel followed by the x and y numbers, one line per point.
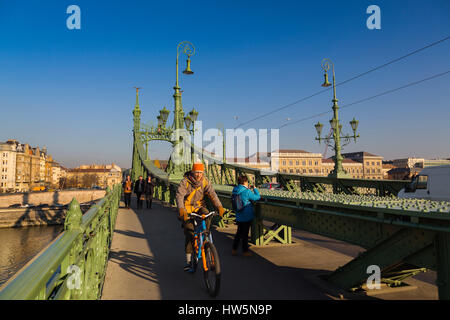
pixel 402 236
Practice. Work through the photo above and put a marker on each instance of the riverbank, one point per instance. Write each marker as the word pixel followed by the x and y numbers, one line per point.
pixel 50 198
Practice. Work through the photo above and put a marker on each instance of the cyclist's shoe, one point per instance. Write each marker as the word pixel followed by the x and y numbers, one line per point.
pixel 187 267
pixel 247 254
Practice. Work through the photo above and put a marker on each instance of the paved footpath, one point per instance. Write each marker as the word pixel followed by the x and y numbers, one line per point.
pixel 147 257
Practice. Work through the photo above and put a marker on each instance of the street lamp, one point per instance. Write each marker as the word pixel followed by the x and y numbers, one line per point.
pixel 188 49
pixel 336 126
pixel 164 114
pixel 188 122
pixel 193 114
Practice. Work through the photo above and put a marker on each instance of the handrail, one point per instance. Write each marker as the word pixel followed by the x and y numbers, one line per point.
pixel 72 266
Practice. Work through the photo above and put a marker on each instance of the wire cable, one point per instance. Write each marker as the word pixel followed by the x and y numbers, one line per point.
pixel 343 82
pixel 367 99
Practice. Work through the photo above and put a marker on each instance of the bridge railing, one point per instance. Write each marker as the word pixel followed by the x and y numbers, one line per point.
pixel 402 237
pixel 73 266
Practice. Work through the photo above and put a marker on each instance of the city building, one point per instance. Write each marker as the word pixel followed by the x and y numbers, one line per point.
pixel 8 166
pixel 24 168
pixel 372 165
pixel 296 162
pixel 87 176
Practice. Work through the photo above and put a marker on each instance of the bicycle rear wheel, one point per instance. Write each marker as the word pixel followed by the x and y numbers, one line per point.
pixel 212 274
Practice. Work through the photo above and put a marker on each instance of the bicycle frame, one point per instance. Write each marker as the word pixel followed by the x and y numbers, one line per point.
pixel 200 238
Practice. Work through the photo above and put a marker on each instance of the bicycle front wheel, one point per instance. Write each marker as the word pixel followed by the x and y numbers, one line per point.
pixel 212 272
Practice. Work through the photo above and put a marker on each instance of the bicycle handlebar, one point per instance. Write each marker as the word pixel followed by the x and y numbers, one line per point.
pixel 203 216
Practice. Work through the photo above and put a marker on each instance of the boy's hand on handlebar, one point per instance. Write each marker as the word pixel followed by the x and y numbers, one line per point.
pixel 221 211
pixel 182 214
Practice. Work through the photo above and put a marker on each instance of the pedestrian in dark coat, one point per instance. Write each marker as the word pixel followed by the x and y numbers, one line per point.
pixel 149 188
pixel 139 189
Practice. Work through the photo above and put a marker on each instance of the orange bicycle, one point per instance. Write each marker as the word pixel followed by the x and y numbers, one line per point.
pixel 206 252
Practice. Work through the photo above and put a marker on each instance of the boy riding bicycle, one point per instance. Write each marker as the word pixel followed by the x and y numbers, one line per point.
pixel 190 198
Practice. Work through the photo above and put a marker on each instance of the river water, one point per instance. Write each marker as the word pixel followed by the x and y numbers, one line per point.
pixel 20 245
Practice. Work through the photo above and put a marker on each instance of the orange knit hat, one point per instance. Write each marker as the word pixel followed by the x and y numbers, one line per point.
pixel 198 167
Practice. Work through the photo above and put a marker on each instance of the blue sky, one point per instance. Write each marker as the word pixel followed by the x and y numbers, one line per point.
pixel 72 90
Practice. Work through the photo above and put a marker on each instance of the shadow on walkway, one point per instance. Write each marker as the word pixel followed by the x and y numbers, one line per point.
pixel 242 277
pixel 136 263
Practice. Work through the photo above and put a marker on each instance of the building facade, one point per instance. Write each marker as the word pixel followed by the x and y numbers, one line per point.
pixel 7 166
pixel 24 168
pixel 372 165
pixel 88 176
pixel 360 165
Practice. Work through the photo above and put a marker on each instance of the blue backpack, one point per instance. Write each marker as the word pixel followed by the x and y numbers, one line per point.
pixel 236 202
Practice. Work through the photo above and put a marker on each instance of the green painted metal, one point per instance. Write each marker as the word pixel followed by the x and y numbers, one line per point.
pixel 404 236
pixel 388 253
pixel 84 244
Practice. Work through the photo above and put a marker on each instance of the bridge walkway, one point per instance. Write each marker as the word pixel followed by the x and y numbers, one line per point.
pixel 147 257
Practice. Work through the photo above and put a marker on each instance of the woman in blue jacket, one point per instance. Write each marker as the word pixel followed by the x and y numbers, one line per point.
pixel 244 217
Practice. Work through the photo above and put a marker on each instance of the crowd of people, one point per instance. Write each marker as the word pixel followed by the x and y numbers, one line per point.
pixel 139 187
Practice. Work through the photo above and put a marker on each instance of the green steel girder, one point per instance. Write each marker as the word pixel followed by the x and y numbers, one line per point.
pixel 288 183
pixel 262 235
pixel 229 176
pixel 389 253
pixel 307 185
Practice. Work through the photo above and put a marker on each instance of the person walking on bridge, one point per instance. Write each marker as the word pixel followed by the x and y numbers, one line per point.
pixel 139 188
pixel 127 190
pixel 245 214
pixel 149 187
pixel 190 198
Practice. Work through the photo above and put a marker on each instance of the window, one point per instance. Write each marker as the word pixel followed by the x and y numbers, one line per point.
pixel 310 162
pixel 316 163
pixel 310 171
pixel 284 163
pixel 297 163
pixel 290 163
pixel 373 163
pixel 304 170
pixel 367 163
pixel 291 171
pixel 304 163
pixel 422 182
pixel 297 170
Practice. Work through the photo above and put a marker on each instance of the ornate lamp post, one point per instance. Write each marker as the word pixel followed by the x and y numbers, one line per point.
pixel 189 50
pixel 188 121
pixel 338 171
pixel 162 131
